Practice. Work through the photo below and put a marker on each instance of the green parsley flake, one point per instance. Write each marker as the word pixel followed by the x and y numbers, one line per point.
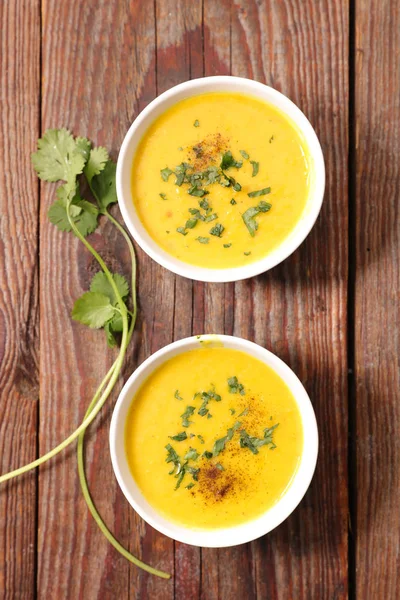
pixel 217 230
pixel 165 173
pixel 258 193
pixel 185 416
pixel 235 387
pixel 255 166
pixel 179 437
pixel 196 123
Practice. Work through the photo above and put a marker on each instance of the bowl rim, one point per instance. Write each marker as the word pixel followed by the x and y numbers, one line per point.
pixel 249 530
pixel 197 87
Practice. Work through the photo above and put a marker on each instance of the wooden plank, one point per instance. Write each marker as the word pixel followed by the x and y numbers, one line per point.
pixel 95 88
pixel 298 310
pixel 19 340
pixel 377 347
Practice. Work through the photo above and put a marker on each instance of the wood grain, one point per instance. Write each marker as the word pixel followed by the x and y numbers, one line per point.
pixel 298 310
pixel 95 89
pixel 19 198
pixel 102 62
pixel 377 287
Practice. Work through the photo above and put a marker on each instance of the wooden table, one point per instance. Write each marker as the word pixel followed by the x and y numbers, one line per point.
pixel 330 310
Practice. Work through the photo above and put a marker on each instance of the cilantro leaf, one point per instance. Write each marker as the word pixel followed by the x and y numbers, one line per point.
pixel 257 193
pixel 83 146
pixel 253 211
pixel 202 240
pixel 165 173
pixel 235 387
pixel 244 154
pixel 101 285
pixel 217 230
pixel 179 437
pixel 93 309
pixel 191 454
pixel 228 161
pixel 177 396
pixel 255 166
pixel 57 157
pixel 185 416
pixel 111 341
pixel 98 158
pixel 103 185
pixel 84 214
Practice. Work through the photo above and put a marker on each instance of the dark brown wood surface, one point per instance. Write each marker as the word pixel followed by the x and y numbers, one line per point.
pixel 330 310
pixel 376 393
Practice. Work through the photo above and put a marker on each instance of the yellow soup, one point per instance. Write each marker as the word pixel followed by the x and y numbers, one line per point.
pixel 213 438
pixel 220 179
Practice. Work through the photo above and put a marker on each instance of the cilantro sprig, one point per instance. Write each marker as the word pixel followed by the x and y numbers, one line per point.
pixel 72 161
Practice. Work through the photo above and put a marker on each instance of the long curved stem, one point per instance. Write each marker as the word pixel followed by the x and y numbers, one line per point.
pixel 80 450
pixel 96 516
pixel 85 423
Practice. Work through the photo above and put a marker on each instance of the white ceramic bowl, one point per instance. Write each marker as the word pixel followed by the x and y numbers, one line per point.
pixel 239 534
pixel 194 88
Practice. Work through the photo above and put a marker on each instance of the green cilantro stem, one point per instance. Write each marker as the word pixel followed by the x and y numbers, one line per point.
pixel 113 378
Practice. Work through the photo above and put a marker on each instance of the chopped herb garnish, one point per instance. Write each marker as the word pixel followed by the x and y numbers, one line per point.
pixel 253 211
pixel 233 202
pixel 179 437
pixel 189 487
pixel 192 454
pixel 209 416
pixel 204 204
pixel 208 454
pixel 244 412
pixel 255 166
pixel 165 173
pixel 217 230
pixel 185 416
pixel 219 445
pixel 253 443
pixel 220 467
pixel 206 397
pixel 173 457
pixel 201 439
pixel 196 123
pixel 163 196
pixel 195 190
pixel 258 193
pixel 227 245
pixel 194 472
pixel 202 240
pixel 177 396
pixel 235 387
pixel 268 432
pixel 190 223
pixel 244 154
pixel 228 161
pixel 210 218
pixel 182 230
pixel 247 253
pixel 232 411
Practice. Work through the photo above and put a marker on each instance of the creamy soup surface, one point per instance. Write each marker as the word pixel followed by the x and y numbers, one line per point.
pixel 213 438
pixel 220 179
